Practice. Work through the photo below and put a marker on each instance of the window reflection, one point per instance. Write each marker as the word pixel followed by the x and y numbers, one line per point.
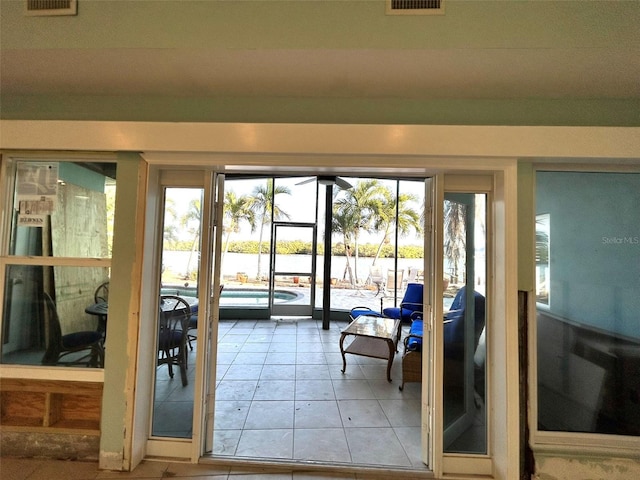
pixel 543 272
pixel 62 211
pixel 588 335
pixel 71 217
pixel 47 317
pixel 465 322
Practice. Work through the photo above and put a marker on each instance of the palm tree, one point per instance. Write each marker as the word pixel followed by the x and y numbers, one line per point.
pixel 455 234
pixel 170 233
pixel 193 214
pixel 403 218
pixel 264 207
pixel 542 258
pixel 361 204
pixel 343 222
pixel 236 211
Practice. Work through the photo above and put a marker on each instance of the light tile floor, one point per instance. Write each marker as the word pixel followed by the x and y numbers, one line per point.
pixel 281 395
pixel 41 469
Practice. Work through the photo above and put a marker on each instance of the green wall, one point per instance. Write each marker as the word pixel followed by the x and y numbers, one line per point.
pixel 326 25
pixel 312 24
pixel 534 112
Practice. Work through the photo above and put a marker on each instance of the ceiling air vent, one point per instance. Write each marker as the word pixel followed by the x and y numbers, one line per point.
pixel 51 7
pixel 415 7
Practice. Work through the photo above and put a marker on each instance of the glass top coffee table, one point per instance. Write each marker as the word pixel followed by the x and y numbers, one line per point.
pixel 375 337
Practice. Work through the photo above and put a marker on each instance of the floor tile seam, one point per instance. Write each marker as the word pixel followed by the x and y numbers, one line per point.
pixel 329 428
pixel 404 449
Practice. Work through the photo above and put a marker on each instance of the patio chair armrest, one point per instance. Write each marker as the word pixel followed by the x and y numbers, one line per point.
pixel 411 304
pixel 363 310
pixel 413 342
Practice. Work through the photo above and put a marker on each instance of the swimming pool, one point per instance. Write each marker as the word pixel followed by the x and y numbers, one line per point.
pixel 254 297
pixel 238 297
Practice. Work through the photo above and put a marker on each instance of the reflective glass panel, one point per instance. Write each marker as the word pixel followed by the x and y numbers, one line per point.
pixel 178 313
pixel 63 209
pixel 588 322
pixel 465 267
pixel 52 315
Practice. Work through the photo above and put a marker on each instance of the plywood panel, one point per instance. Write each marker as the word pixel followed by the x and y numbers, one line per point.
pixel 40 405
pixel 23 408
pixel 78 229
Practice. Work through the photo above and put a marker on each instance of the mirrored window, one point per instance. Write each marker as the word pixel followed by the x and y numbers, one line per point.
pixel 588 322
pixel 54 316
pixel 63 209
pixel 55 312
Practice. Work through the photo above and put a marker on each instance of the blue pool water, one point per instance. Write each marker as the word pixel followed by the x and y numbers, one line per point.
pixel 236 297
pixel 254 296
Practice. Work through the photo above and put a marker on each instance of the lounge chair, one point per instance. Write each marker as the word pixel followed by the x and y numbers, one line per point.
pixel 377 278
pixel 412 301
pixel 454 330
pixel 394 281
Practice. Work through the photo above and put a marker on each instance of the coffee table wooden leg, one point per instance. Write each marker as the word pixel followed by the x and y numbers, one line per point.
pixel 344 358
pixel 392 352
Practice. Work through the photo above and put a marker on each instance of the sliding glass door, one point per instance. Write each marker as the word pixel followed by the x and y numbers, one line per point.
pixel 465 241
pixel 179 307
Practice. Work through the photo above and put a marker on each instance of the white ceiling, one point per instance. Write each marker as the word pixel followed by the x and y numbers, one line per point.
pixel 491 73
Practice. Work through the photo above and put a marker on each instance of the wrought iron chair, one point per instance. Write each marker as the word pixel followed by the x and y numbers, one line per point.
pixel 65 349
pixel 102 293
pixel 377 278
pixel 193 325
pixel 174 317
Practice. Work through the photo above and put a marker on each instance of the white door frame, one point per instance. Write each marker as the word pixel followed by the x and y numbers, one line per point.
pixel 460 464
pixel 442 464
pixel 208 282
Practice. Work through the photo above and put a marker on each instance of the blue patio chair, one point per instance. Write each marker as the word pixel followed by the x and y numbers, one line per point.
pixel 412 355
pixel 454 322
pixel 360 310
pixel 413 301
pixel 454 330
pixel 454 341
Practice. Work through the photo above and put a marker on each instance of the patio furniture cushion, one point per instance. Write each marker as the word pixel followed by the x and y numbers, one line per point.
pixel 357 311
pixel 411 302
pixel 414 340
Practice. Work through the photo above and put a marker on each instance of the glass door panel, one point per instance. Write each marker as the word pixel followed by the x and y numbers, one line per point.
pixel 587 303
pixel 376 240
pixel 180 260
pixel 293 275
pixel 464 259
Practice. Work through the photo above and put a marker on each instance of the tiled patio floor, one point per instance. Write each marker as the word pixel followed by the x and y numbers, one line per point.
pixel 280 394
pixel 44 469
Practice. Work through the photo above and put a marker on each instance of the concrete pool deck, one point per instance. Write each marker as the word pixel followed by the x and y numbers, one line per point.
pixel 341 298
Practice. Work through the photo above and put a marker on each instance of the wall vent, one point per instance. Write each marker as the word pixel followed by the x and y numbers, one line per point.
pixel 46 8
pixel 415 7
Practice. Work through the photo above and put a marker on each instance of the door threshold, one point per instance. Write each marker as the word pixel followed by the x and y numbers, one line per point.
pixel 274 466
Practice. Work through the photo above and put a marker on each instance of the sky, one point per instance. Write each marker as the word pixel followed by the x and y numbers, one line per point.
pixel 301 204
